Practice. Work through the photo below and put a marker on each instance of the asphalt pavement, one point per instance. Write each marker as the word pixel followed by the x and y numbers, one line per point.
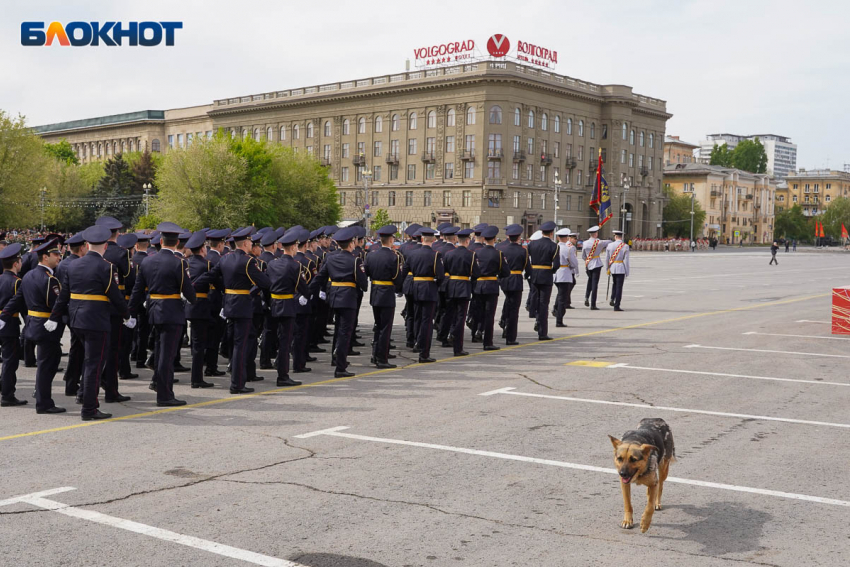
pixel 496 459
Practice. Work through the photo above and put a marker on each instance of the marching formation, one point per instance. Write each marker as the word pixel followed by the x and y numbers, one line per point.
pixel 272 294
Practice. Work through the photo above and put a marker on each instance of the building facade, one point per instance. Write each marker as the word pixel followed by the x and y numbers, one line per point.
pixel 814 189
pixel 781 152
pixel 678 151
pixel 738 205
pixel 494 142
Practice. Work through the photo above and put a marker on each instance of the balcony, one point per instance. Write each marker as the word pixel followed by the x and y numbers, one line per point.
pixel 325 161
pixel 571 163
pixel 545 159
pixel 391 159
pixel 495 153
pixel 495 181
pixel 748 197
pixel 428 157
pixel 519 156
pixel 644 172
pixel 715 193
pixel 592 165
pixel 467 155
pixel 359 160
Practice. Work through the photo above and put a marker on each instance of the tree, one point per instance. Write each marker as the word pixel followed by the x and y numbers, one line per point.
pixel 720 155
pixel 67 184
pixel 836 214
pixel 23 164
pixel 749 155
pixel 143 168
pixel 62 151
pixel 381 218
pixel 792 224
pixel 677 215
pixel 113 191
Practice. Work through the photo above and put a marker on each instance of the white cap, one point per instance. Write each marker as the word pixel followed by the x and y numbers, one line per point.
pixel 563 232
pixel 593 229
pixel 617 232
pixel 537 235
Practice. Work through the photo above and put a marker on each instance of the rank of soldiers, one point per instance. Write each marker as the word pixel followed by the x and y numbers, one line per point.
pixel 271 294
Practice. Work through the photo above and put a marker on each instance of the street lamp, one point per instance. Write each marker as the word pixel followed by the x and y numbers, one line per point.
pixel 367 213
pixel 43 195
pixel 623 203
pixel 693 248
pixel 147 188
pixel 557 192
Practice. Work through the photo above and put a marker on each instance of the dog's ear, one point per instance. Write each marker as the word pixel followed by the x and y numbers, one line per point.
pixel 614 441
pixel 647 450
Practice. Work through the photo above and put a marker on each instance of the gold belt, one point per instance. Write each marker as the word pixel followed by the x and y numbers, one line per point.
pixel 461 278
pixel 88 297
pixel 126 298
pixel 617 261
pixel 121 286
pixel 237 291
pixel 565 265
pixel 202 295
pixel 165 296
pixel 343 284
pixel 516 272
pixel 423 279
pixel 488 279
pixel 283 295
pixel 539 267
pixel 41 314
pixel 381 282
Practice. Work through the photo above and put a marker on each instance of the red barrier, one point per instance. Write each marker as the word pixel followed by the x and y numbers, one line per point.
pixel 841 311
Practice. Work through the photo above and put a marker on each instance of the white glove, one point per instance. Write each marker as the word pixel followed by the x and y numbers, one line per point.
pixel 50 326
pixel 221 313
pixel 145 304
pixel 323 296
pixel 129 323
pixel 2 324
pixel 302 300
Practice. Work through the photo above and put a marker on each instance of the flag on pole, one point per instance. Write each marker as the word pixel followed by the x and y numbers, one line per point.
pixel 844 232
pixel 597 194
pixel 605 213
pixel 821 231
pixel 817 229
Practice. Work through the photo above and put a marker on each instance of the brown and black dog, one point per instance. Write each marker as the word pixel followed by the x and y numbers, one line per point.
pixel 643 456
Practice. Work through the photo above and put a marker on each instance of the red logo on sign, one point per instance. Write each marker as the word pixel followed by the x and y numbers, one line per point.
pixel 498 45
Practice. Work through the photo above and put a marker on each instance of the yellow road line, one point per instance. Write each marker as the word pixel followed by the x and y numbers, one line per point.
pixel 590 363
pixel 414 365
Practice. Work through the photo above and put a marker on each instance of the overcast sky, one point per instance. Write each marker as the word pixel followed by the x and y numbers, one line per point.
pixel 740 66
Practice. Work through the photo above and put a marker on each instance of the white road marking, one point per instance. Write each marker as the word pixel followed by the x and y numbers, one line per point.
pixel 798 336
pixel 738 275
pixel 666 408
pixel 627 295
pixel 629 366
pixel 809 321
pixel 336 432
pixel 770 351
pixel 37 499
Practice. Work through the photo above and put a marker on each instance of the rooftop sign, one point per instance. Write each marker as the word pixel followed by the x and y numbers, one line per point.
pixel 499 47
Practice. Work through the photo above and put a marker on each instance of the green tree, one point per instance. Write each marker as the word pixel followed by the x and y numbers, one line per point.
pixel 720 155
pixel 302 193
pixel 381 218
pixel 792 224
pixel 749 155
pixel 143 167
pixel 23 168
pixel 836 214
pixel 113 191
pixel 67 186
pixel 677 215
pixel 62 151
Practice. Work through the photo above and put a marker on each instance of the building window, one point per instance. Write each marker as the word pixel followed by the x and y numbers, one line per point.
pixel 432 119
pixel 361 148
pixel 530 147
pixel 430 170
pixel 470 143
pixel 569 126
pixel 344 174
pixel 466 198
pixel 346 150
pixel 569 151
pixel 569 202
pixel 495 115
pixel 361 125
pixel 342 196
pixel 529 172
pixel 544 121
pixel 408 198
pixel 379 124
pixel 447 198
pixel 542 173
pixel 651 140
pixel 580 153
pixel 517 117
pixel 531 119
pixel 411 121
pixel 493 198
pixel 346 127
pixel 376 173
pixel 632 138
pixel 450 170
pixel 470 116
pixel 828 198
pixel 494 144
pixel 327 128
pixel 631 160
pixel 411 147
pixel 450 144
pixel 579 175
pixel 269 134
pixel 557 124
pixel 309 150
pixel 309 130
pixel 430 145
pixel 391 199
pixel 393 172
pixel 377 149
pixel 395 123
pixel 516 199
pixel 581 203
pixel 543 201
pixel 170 141
pixel 154 146
pixel 411 172
pixel 556 174
pixel 640 161
pixel 394 148
pixel 282 133
pixel 593 130
pixel 516 144
pixel 641 139
pixel 622 156
pixel 529 201
pixel 358 197
pixel 450 117
pixel 426 198
pixel 468 170
pixel 625 129
pixel 566 179
pixel 557 149
pixel 494 169
pixel 581 127
pixel 296 132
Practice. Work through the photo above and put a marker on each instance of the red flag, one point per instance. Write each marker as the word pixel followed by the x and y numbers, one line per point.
pixel 597 188
pixel 844 232
pixel 817 229
pixel 821 231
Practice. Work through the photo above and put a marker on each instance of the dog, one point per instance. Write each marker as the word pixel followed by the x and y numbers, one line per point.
pixel 643 456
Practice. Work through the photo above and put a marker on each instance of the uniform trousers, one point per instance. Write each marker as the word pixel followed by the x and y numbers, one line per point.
pixel 562 301
pixel 48 354
pixel 74 368
pixel 215 332
pixel 170 338
pixel 29 352
pixel 383 332
pixel 284 344
pixel 541 307
pixel 199 340
pixel 343 336
pixel 513 300
pixel 531 302
pixel 11 352
pixel 410 319
pixel 253 347
pixel 125 349
pixel 617 288
pixel 301 334
pixel 489 301
pixel 425 312
pixel 94 344
pixel 113 351
pixel 142 336
pixel 244 334
pixel 456 312
pixel 268 342
pixel 592 284
pixel 476 314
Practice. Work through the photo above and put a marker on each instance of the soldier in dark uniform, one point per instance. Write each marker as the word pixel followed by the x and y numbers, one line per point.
pixel 37 293
pixel 268 341
pixel 141 333
pixel 240 275
pixel 426 266
pixel 199 313
pixel 319 319
pixel 409 312
pixel 543 263
pixel 476 307
pixel 127 242
pixel 216 300
pixel 74 368
pixel 258 299
pixel 300 356
pixel 288 290
pixel 383 266
pixel 346 275
pixel 444 323
pixel 10 331
pixel 90 294
pixel 517 259
pixel 28 262
pixel 492 269
pixel 460 265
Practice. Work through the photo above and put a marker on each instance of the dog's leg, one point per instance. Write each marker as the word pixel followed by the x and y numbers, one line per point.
pixel 646 517
pixel 662 476
pixel 628 515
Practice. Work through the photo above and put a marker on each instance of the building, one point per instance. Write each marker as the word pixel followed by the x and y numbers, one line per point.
pixel 484 142
pixel 738 204
pixel 678 151
pixel 814 189
pixel 781 152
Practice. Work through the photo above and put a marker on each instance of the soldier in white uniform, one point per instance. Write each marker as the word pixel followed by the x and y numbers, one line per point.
pixel 618 266
pixel 591 250
pixel 565 276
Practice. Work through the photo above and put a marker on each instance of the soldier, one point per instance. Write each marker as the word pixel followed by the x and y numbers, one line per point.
pixel 90 296
pixel 565 276
pixel 346 274
pixel 319 321
pixel 409 312
pixel 618 267
pixel 531 300
pixel 141 333
pixel 443 322
pixel 383 267
pixel 201 312
pixel 516 257
pixel 475 318
pixel 128 243
pixel 286 275
pixel 461 268
pixel 303 313
pixel 10 331
pixel 240 275
pixel 216 300
pixel 268 341
pixel 426 266
pixel 591 249
pixel 543 262
pixel 28 262
pixel 37 293
pixel 492 269
pixel 74 368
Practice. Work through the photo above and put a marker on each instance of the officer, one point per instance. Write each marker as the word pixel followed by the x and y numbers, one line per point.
pixel 346 275
pixel 216 300
pixel 37 293
pixel 461 267
pixel 531 300
pixel 300 356
pixel 74 368
pixel 493 269
pixel 565 276
pixel 543 262
pixel 127 242
pixel 10 332
pixel 161 281
pixel 618 267
pixel 288 282
pixel 321 312
pixel 474 320
pixel 268 341
pixel 240 276
pixel 383 267
pixel 315 255
pixel 409 312
pixel 89 296
pixel 426 266
pixel 29 262
pixel 141 334
pixel 516 257
pixel 591 249
pixel 202 311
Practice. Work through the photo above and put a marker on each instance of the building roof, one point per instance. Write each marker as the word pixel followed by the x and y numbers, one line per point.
pixel 114 119
pixel 671 140
pixel 692 169
pixel 818 174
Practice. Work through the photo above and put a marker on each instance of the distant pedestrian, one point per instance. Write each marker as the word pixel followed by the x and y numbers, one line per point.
pixel 794 244
pixel 774 248
pixel 787 245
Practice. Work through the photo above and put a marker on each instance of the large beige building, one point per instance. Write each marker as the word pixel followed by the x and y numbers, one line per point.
pixel 814 189
pixel 484 142
pixel 678 151
pixel 738 204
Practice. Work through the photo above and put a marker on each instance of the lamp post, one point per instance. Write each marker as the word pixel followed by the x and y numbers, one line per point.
pixel 623 204
pixel 693 248
pixel 557 194
pixel 147 188
pixel 367 213
pixel 43 195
